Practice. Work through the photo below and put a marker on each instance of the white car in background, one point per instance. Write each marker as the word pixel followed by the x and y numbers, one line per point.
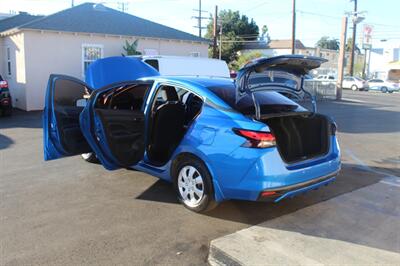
pixel 326 79
pixel 354 83
pixel 383 86
pixel 187 65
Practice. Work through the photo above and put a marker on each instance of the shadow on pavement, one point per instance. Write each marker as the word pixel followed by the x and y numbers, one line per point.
pixel 351 178
pixel 5 142
pixel 22 119
pixel 349 114
pixel 160 191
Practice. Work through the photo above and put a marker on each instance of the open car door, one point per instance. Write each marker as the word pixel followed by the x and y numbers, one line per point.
pixel 65 100
pixel 113 123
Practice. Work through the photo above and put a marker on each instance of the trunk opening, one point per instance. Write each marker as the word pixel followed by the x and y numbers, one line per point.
pixel 300 137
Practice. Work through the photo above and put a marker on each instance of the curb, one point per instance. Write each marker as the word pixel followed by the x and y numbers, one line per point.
pixel 217 257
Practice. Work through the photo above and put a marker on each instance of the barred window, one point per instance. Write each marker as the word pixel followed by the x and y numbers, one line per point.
pixel 90 53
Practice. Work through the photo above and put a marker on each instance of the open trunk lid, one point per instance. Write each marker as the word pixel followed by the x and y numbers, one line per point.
pixel 283 74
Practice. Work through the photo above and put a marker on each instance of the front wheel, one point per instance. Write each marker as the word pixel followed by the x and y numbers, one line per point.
pixel 354 88
pixel 90 157
pixel 384 89
pixel 193 184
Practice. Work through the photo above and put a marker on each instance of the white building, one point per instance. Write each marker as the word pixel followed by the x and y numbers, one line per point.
pixel 31 47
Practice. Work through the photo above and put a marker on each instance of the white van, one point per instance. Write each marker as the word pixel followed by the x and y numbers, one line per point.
pixel 187 66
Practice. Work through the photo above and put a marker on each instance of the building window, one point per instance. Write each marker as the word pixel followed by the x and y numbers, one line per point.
pixel 90 53
pixel 195 54
pixel 150 52
pixel 8 51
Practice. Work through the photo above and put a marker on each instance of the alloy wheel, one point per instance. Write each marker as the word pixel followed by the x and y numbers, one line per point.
pixel 191 186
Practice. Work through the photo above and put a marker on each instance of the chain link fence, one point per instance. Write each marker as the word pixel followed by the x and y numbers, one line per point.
pixel 322 90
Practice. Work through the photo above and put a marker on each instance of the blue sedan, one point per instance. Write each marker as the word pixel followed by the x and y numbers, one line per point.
pixel 213 138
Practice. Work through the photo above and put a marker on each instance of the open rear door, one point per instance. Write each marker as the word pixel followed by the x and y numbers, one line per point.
pixel 116 131
pixel 65 100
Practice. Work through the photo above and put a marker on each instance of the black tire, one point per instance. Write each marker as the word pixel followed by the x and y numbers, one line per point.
pixel 207 202
pixel 6 112
pixel 354 88
pixel 90 157
pixel 384 89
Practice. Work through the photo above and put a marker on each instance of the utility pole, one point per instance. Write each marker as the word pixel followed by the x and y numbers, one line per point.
pixel 342 52
pixel 215 32
pixel 294 27
pixel 353 44
pixel 364 64
pixel 220 41
pixel 199 18
pixel 72 3
pixel 123 6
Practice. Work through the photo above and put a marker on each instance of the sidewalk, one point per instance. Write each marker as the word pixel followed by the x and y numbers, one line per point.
pixel 358 228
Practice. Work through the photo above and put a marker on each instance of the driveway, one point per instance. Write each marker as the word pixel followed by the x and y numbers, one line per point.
pixel 69 212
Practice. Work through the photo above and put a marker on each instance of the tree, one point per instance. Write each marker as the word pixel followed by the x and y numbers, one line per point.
pixel 349 43
pixel 244 58
pixel 236 28
pixel 131 48
pixel 328 43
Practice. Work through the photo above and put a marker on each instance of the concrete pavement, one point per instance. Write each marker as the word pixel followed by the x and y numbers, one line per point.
pixel 357 228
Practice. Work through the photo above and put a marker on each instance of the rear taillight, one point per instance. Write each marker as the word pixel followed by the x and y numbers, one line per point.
pixel 3 84
pixel 256 139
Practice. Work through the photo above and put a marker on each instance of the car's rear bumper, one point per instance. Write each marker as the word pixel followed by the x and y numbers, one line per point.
pixel 280 193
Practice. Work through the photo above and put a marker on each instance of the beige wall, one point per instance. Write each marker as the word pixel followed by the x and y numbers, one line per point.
pixel 17 79
pixel 50 52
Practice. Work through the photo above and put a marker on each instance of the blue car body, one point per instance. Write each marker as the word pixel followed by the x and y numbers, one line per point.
pixel 238 172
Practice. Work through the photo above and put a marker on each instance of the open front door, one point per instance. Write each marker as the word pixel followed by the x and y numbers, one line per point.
pixel 113 123
pixel 65 100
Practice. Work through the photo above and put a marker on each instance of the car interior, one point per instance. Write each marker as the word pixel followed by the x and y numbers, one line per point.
pixel 172 112
pixel 66 95
pixel 121 113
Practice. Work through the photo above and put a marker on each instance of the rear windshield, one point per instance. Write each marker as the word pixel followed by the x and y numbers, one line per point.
pixel 269 101
pixel 273 79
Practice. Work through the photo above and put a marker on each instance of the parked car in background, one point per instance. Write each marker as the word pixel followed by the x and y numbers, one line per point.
pixel 326 80
pixel 354 83
pixel 5 98
pixel 214 139
pixel 187 66
pixel 383 85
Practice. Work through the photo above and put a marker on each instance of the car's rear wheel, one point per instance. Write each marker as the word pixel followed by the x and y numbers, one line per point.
pixel 90 157
pixel 193 184
pixel 354 88
pixel 384 89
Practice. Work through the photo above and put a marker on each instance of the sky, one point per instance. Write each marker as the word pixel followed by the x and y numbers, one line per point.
pixel 315 18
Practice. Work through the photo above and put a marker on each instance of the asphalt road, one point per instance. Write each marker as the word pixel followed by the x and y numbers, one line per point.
pixel 68 212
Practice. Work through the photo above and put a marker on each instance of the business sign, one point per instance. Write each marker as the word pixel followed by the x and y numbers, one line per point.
pixel 367 36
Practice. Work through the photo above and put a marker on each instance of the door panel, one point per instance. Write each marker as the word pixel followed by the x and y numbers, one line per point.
pixel 62 132
pixel 124 134
pixel 113 123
